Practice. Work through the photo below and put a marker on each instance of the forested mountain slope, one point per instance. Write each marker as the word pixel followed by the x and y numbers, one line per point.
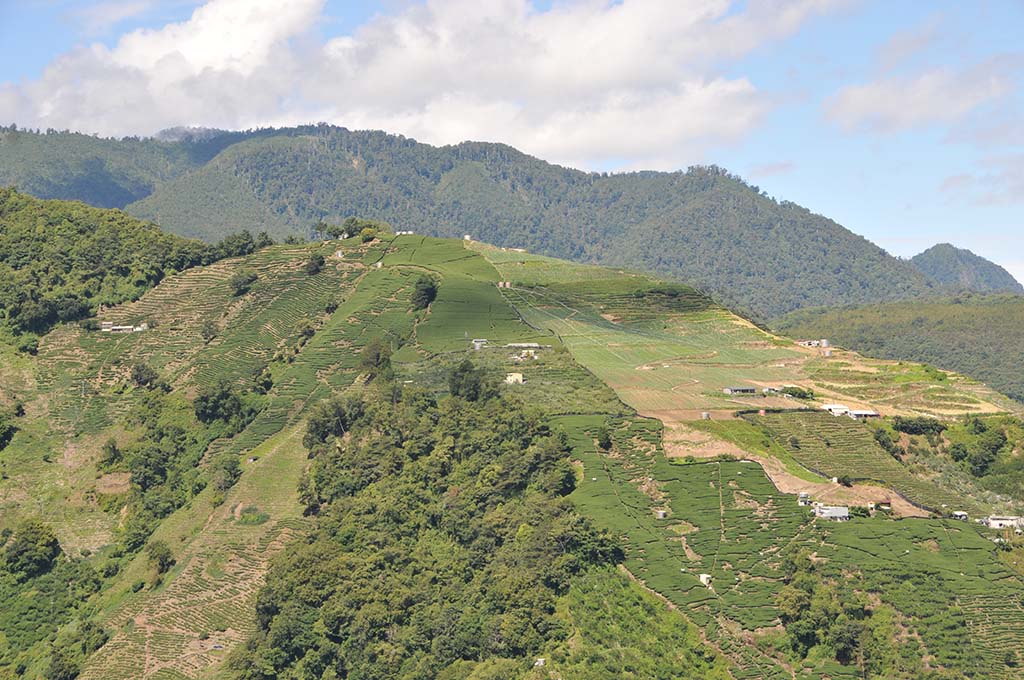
pixel 960 269
pixel 302 467
pixel 703 226
pixel 980 336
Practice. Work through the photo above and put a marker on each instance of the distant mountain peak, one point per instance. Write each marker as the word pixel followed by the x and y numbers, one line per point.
pixel 959 268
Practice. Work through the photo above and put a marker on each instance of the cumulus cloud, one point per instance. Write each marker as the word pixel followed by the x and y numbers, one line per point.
pixel 939 95
pixel 100 17
pixel 582 82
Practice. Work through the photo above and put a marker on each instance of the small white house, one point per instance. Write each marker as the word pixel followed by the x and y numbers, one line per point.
pixel 479 343
pixel 804 499
pixel 467 237
pixel 1003 522
pixel 836 409
pixel 960 515
pixel 836 513
pixel 514 379
pixel 705 580
pixel 737 391
pixel 863 414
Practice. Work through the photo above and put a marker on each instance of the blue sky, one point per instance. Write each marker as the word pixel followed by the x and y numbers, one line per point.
pixel 903 121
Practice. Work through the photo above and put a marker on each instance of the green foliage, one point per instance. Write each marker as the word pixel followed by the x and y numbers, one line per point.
pixel 457 507
pixel 8 427
pixel 703 226
pixel 981 337
pixel 314 264
pixel 60 261
pixel 918 425
pixel 159 556
pixel 424 292
pixel 375 358
pixel 144 375
pixel 223 401
pixel 241 281
pixel 470 382
pixel 32 550
pixel 960 269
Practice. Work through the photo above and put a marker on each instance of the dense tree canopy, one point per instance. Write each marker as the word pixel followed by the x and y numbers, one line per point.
pixel 443 537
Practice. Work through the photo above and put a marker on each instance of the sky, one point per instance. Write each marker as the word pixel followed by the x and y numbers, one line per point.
pixel 903 121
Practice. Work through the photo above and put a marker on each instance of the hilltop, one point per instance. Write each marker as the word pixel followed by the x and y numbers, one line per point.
pixel 960 269
pixel 703 226
pixel 300 464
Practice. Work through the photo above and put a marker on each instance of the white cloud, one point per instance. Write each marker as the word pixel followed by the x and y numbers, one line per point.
pixel 581 83
pixel 904 45
pixel 939 95
pixel 98 18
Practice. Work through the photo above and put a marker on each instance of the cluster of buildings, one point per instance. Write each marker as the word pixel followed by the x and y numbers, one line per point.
pixel 405 233
pixel 856 414
pixel 109 327
pixel 836 513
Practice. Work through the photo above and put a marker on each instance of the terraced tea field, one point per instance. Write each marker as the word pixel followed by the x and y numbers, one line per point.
pixel 726 519
pixel 206 607
pixel 841 447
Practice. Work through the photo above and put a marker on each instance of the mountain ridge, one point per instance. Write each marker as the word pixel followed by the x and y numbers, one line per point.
pixel 703 226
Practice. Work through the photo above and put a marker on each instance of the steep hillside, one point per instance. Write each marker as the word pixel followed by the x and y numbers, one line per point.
pixel 303 467
pixel 61 261
pixel 979 336
pixel 960 269
pixel 703 226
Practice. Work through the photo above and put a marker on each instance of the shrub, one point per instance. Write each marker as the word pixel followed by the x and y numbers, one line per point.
pixel 241 281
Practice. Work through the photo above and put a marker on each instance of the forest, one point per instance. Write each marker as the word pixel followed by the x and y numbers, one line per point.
pixel 703 225
pixel 443 537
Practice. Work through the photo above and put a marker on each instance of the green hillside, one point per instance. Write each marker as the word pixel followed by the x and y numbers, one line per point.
pixel 980 336
pixel 703 226
pixel 960 269
pixel 61 261
pixel 303 468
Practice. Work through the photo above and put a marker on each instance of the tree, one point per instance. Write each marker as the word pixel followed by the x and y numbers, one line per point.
pixel 604 438
pixel 424 292
pixel 218 402
pixel 225 471
pixel 367 234
pixel 241 281
pixel 314 264
pixel 160 556
pixel 33 549
pixel 143 375
pixel 470 382
pixel 208 330
pixel 375 359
